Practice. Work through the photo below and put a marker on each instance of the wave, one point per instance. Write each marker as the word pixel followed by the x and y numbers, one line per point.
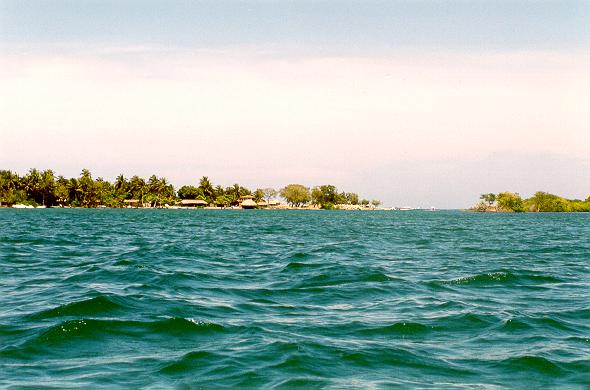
pixel 178 325
pixel 303 383
pixel 92 329
pixel 123 262
pixel 96 306
pixel 300 363
pixel 579 339
pixel 500 277
pixel 335 279
pixel 515 324
pixel 532 363
pixel 190 361
pixel 399 357
pixel 546 324
pixel 576 314
pixel 464 321
pixel 398 328
pixel 296 266
pixel 300 255
pixel 553 323
pixel 11 331
pixel 548 367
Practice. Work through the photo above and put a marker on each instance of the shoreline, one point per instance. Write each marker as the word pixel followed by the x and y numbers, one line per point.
pixel 44 188
pixel 286 208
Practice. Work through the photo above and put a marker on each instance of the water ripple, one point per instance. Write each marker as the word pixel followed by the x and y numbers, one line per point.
pixel 284 299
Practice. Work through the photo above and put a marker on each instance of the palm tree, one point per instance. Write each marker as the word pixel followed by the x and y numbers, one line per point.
pixel 121 184
pixel 62 190
pixel 10 187
pixel 207 188
pixel 158 189
pixel 167 190
pixel 88 188
pixel 234 193
pixel 9 180
pixel 137 188
pixel 105 191
pixel 259 195
pixel 74 191
pixel 121 187
pixel 32 184
pixel 47 185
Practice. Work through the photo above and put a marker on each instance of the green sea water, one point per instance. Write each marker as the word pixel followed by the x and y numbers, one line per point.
pixel 286 299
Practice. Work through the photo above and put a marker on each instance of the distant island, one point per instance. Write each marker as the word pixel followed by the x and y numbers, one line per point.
pixel 43 189
pixel 540 202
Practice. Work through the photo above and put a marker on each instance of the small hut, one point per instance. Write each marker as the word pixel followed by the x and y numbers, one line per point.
pixel 193 203
pixel 247 202
pixel 129 203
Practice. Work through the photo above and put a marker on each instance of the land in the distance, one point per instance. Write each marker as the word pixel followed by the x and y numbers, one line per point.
pixel 45 189
pixel 539 202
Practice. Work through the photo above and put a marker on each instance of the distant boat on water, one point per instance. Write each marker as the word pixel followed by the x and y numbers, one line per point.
pixel 408 208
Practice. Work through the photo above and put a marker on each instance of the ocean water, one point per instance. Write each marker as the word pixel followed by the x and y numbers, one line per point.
pixel 286 299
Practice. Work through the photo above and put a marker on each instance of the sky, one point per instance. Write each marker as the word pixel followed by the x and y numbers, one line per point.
pixel 415 103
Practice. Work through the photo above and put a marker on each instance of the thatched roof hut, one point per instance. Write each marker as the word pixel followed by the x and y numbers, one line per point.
pixel 193 202
pixel 249 204
pixel 131 202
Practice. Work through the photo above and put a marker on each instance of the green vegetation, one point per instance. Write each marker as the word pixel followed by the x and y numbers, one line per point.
pixel 296 195
pixel 509 201
pixel 327 197
pixel 540 202
pixel 488 198
pixel 44 188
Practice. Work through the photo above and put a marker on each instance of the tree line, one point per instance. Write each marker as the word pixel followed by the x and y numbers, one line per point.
pixel 324 196
pixel 539 202
pixel 45 188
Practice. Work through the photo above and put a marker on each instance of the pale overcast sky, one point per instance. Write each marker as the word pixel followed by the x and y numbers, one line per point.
pixel 412 102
